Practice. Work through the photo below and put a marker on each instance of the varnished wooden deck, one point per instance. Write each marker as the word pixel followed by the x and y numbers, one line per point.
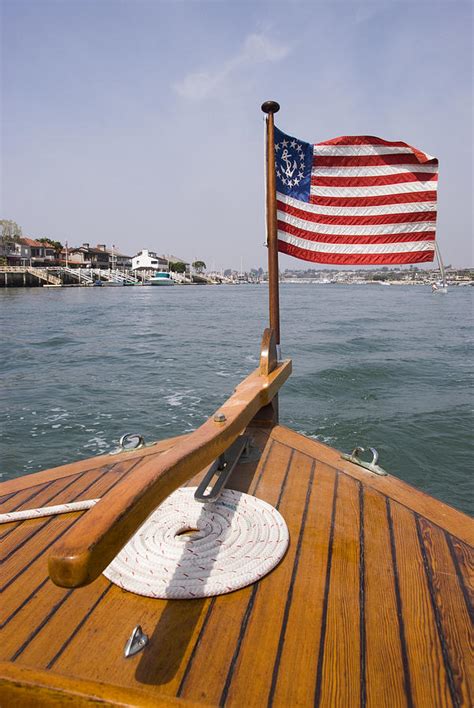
pixel 370 606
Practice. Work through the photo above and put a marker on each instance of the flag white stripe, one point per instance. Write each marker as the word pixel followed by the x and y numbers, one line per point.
pixel 375 171
pixel 355 249
pixel 407 207
pixel 381 190
pixel 356 150
pixel 349 230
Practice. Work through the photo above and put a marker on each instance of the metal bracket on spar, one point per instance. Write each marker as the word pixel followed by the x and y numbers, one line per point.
pixel 222 468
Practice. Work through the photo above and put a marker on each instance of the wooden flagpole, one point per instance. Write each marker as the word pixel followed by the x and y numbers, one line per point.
pixel 271 107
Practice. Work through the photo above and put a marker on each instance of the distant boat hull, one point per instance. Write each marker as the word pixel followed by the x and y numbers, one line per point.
pixel 162 279
pixel 162 283
pixel 439 288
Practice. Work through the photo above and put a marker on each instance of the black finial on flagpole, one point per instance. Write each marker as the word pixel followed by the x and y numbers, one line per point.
pixel 270 107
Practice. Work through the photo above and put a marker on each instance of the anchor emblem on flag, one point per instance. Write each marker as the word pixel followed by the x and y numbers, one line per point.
pixel 290 161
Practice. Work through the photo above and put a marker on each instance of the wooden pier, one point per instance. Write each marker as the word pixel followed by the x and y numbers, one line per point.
pixel 24 276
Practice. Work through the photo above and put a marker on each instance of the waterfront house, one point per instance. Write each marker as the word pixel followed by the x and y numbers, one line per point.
pixel 89 257
pixel 147 261
pixel 27 252
pixel 14 253
pixel 118 260
pixel 39 253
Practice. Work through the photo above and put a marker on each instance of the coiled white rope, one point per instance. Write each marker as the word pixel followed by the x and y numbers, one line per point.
pixel 238 540
pixel 186 549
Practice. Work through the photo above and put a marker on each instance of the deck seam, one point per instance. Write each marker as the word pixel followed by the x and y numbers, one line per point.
pixel 79 516
pixel 398 598
pixel 201 633
pixel 460 575
pixel 78 627
pixel 286 613
pixel 8 496
pixel 437 616
pixel 39 627
pixel 25 602
pixel 35 494
pixel 248 611
pixel 196 646
pixel 322 635
pixel 10 530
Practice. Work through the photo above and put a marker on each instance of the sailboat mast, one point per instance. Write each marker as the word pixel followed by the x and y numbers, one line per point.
pixel 440 263
pixel 270 108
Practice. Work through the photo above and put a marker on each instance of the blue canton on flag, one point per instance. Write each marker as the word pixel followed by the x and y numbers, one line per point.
pixel 293 163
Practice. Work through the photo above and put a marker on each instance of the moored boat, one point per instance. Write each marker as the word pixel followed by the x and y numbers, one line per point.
pixel 161 278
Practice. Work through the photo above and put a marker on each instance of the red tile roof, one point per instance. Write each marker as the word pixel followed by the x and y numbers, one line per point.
pixel 30 242
pixel 34 244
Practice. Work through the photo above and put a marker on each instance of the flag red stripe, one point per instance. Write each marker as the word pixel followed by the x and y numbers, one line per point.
pixel 355 238
pixel 381 180
pixel 355 259
pixel 367 160
pixel 403 198
pixel 365 140
pixel 404 218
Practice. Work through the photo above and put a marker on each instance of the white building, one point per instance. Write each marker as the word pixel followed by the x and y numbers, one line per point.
pixel 148 260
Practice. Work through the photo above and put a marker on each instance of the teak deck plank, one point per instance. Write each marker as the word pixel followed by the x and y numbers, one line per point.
pixel 384 672
pixel 339 651
pixel 463 559
pixel 294 678
pixel 370 606
pixel 425 671
pixel 227 621
pixel 449 606
pixel 267 603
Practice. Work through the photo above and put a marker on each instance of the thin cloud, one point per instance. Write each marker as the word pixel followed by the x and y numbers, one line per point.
pixel 257 48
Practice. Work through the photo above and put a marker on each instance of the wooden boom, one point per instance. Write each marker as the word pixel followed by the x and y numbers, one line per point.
pixel 99 535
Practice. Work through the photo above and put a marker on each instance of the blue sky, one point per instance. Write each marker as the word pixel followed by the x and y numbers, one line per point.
pixel 138 122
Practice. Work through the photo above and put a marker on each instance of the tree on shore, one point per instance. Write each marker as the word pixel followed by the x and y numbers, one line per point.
pixel 178 267
pixel 9 230
pixel 199 266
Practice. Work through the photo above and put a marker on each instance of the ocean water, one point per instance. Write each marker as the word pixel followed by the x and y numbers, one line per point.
pixel 387 367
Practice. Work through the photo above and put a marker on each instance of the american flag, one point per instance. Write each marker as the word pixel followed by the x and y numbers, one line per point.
pixel 355 200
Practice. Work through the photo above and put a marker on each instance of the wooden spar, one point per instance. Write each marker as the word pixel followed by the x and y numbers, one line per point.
pixel 83 553
pixel 271 107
